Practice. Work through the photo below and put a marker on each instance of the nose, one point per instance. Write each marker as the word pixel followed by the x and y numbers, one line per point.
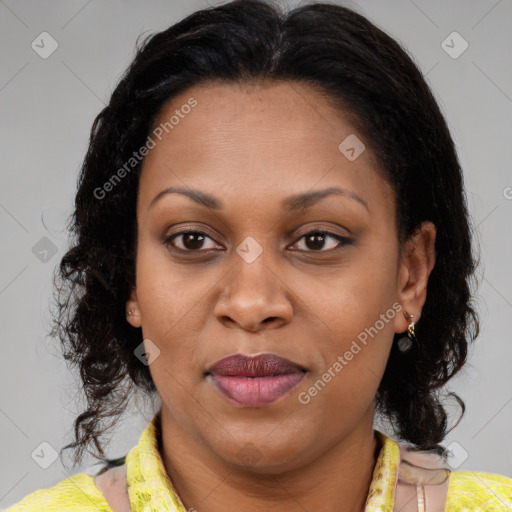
pixel 254 298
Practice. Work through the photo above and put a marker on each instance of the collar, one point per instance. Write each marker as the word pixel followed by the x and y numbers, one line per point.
pixel 150 489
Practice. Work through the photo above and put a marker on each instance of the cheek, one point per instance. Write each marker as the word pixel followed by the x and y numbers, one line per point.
pixel 358 348
pixel 168 293
pixel 352 298
pixel 166 302
pixel 170 321
pixel 343 387
pixel 357 310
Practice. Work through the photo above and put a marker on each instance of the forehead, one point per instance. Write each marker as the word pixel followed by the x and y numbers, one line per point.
pixel 257 140
pixel 237 115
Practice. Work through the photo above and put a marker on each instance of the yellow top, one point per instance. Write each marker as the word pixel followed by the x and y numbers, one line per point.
pixel 150 489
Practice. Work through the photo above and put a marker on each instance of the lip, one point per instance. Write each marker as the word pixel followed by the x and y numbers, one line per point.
pixel 255 381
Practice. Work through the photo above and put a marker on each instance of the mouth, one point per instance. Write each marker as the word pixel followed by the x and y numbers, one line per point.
pixel 255 381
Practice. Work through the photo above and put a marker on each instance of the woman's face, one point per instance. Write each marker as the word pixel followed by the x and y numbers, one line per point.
pixel 237 274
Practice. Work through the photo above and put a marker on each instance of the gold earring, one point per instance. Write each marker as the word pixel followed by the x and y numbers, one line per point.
pixel 405 342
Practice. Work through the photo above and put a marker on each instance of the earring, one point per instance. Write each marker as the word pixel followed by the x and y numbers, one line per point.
pixel 131 312
pixel 405 342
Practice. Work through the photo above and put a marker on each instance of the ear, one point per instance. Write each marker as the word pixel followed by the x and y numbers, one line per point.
pixel 416 263
pixel 132 305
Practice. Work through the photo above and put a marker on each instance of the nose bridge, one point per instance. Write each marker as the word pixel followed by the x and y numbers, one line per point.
pixel 254 294
pixel 253 275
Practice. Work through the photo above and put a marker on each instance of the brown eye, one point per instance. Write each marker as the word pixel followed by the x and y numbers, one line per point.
pixel 190 241
pixel 322 241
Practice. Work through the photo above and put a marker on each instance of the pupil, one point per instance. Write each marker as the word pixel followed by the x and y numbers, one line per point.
pixel 193 241
pixel 318 244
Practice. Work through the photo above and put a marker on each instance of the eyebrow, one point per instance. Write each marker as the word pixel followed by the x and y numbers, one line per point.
pixel 291 203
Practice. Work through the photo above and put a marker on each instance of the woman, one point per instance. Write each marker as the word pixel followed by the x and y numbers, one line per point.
pixel 271 237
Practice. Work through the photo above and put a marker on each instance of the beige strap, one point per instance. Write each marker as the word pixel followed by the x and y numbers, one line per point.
pixel 112 483
pixel 422 482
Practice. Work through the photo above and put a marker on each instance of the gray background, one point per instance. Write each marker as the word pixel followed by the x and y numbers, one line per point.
pixel 47 107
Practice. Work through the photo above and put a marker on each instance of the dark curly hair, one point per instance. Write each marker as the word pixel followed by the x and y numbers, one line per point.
pixel 368 76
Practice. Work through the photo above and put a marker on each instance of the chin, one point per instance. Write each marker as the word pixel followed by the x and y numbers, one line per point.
pixel 259 454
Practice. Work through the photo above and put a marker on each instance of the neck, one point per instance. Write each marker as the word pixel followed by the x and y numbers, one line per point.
pixel 337 480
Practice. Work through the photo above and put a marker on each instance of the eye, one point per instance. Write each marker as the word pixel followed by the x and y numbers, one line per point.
pixel 313 241
pixel 190 241
pixel 316 239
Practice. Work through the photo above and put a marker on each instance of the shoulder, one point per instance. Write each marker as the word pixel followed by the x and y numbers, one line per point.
pixel 74 494
pixel 478 491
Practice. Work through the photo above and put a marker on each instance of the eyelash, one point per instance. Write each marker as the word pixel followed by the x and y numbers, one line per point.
pixel 344 240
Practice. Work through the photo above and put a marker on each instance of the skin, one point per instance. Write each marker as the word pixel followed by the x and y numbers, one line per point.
pixel 251 146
